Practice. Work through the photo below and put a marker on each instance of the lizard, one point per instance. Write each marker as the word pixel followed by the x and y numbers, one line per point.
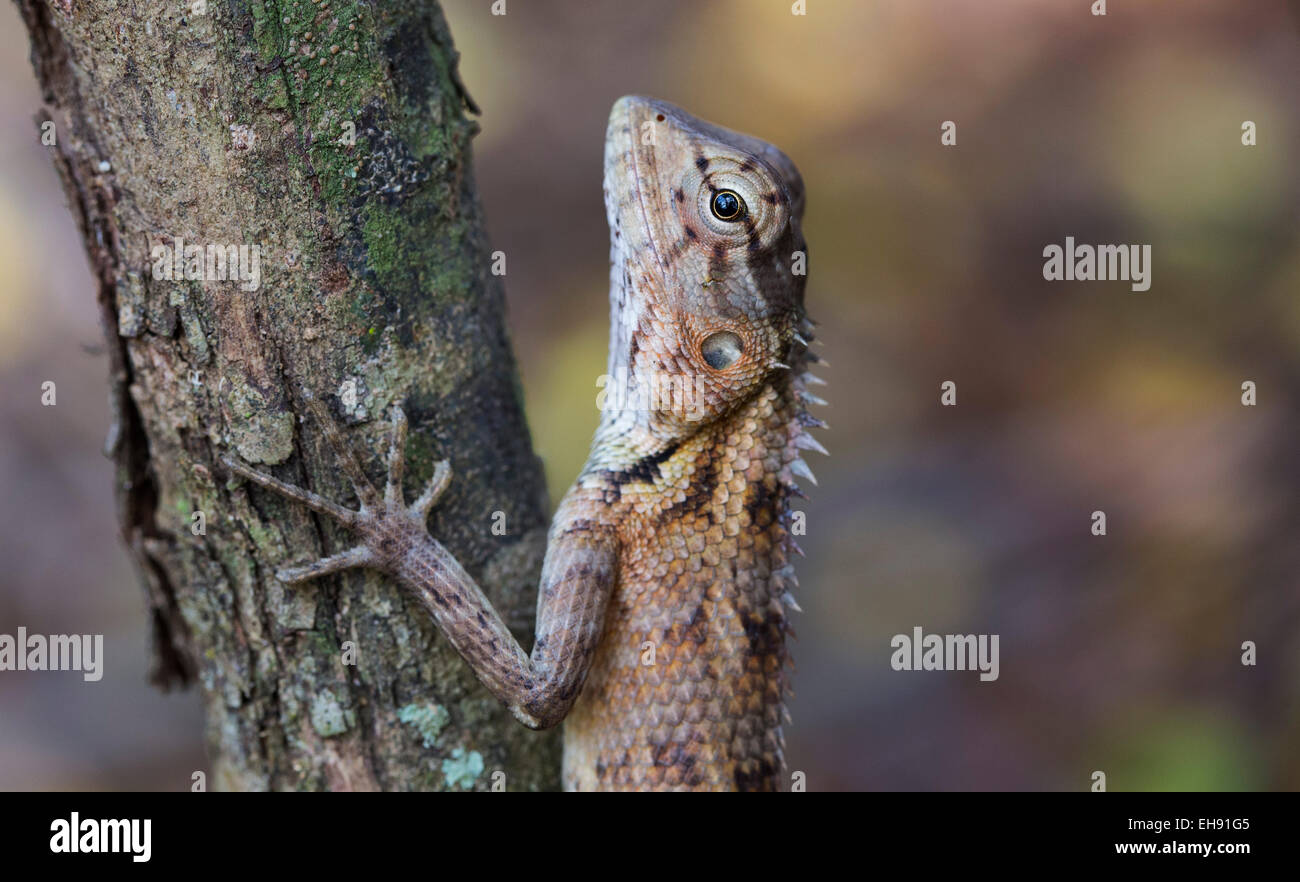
pixel 664 600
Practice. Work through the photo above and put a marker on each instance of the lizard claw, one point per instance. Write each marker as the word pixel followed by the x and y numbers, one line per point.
pixel 433 490
pixel 314 501
pixel 379 521
pixel 365 491
pixel 357 556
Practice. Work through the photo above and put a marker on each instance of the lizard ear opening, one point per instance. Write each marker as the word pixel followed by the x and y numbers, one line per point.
pixel 722 349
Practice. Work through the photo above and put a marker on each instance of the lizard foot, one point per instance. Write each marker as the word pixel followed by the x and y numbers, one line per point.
pixel 383 523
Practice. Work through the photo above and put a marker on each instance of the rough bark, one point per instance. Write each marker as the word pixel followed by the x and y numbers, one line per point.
pixel 229 125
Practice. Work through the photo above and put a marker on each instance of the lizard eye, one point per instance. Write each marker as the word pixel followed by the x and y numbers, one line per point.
pixel 721 349
pixel 727 205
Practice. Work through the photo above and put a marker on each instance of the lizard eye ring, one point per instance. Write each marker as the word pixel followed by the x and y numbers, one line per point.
pixel 727 206
pixel 722 349
pixel 731 207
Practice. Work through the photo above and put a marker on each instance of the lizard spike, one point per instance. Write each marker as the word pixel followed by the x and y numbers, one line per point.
pixel 812 379
pixel 811 398
pixel 780 366
pixel 798 338
pixel 814 358
pixel 785 714
pixel 795 490
pixel 812 422
pixel 789 600
pixel 800 468
pixel 808 442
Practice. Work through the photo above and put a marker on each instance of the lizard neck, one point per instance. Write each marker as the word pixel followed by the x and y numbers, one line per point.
pixel 753 450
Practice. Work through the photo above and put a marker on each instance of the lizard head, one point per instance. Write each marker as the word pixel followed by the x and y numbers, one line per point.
pixel 707 274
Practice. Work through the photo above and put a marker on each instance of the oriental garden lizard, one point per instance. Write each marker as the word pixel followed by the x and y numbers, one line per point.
pixel 662 614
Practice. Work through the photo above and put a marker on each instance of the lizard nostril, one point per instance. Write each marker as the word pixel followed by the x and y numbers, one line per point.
pixel 722 349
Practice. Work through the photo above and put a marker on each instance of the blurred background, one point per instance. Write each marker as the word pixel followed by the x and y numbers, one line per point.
pixel 1119 653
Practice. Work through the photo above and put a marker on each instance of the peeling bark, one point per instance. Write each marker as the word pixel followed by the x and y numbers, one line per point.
pixel 232 126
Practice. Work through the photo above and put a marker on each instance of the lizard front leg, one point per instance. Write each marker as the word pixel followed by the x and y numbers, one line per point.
pixel 577 577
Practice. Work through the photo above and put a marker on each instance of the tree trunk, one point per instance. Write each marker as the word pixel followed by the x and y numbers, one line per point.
pixel 332 137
